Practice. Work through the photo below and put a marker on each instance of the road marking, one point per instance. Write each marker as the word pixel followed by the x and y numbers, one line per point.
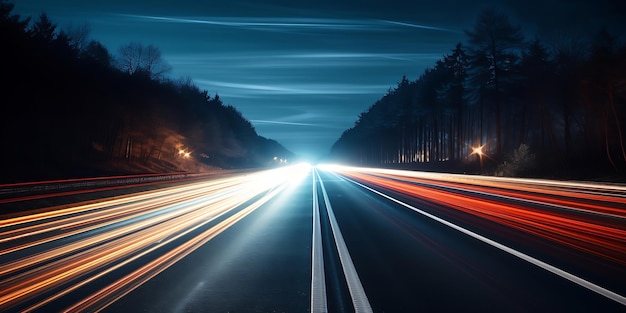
pixel 359 298
pixel 318 280
pixel 569 276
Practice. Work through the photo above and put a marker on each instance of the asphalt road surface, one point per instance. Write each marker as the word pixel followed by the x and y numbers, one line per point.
pixel 324 239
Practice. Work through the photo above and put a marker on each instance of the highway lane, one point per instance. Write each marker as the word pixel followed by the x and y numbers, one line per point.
pixel 87 256
pixel 260 264
pixel 330 239
pixel 424 251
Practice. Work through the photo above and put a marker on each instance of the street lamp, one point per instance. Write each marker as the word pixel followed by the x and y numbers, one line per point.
pixel 480 153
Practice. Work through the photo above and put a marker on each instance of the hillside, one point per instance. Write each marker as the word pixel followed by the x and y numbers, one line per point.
pixel 70 110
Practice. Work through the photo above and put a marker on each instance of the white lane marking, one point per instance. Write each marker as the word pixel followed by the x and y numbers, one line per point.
pixel 318 280
pixel 359 298
pixel 571 277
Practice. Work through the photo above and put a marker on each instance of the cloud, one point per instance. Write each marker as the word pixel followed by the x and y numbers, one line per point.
pixel 267 22
pixel 283 123
pixel 419 26
pixel 293 88
pixel 259 23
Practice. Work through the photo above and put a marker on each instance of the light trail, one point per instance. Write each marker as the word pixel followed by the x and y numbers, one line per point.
pixel 611 193
pixel 608 242
pixel 118 231
pixel 573 278
pixel 599 233
pixel 123 286
pixel 85 256
pixel 596 233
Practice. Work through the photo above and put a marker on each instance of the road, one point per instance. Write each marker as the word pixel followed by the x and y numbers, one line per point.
pixel 324 239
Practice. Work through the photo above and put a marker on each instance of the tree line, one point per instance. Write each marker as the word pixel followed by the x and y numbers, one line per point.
pixel 517 106
pixel 72 108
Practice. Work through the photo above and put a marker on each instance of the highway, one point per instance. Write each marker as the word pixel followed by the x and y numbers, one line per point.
pixel 320 239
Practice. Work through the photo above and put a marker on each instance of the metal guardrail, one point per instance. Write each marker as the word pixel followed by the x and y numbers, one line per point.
pixel 20 189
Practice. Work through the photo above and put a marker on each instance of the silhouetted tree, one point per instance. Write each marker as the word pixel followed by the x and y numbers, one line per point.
pixel 11 23
pixel 78 36
pixel 605 80
pixel 454 96
pixel 535 91
pixel 494 45
pixel 97 52
pixel 43 30
pixel 136 58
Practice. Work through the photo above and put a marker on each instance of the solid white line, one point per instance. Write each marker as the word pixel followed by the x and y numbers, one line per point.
pixel 359 298
pixel 318 280
pixel 571 277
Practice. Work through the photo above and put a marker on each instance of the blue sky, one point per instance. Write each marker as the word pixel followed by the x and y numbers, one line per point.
pixel 302 72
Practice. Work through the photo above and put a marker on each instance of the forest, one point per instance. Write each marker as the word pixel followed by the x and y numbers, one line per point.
pixel 70 108
pixel 505 105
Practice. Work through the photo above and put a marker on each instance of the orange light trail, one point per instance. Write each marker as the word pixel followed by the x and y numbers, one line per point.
pixel 121 230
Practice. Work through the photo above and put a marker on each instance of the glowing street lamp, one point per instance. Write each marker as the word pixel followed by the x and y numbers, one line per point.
pixel 183 153
pixel 479 151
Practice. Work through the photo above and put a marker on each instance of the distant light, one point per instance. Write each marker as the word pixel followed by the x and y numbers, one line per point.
pixel 478 150
pixel 187 154
pixel 480 153
pixel 304 165
pixel 330 167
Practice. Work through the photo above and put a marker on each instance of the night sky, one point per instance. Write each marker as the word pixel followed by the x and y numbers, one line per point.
pixel 302 72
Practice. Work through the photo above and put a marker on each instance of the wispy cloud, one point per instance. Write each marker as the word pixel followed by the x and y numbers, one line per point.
pixel 301 61
pixel 267 22
pixel 294 89
pixel 282 123
pixel 285 23
pixel 418 26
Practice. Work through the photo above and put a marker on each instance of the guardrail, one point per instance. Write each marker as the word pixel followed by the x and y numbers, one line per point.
pixel 43 187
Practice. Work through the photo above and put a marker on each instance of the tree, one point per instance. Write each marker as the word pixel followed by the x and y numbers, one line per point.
pixel 606 77
pixel 78 36
pixel 11 22
pixel 453 95
pixel 569 57
pixel 153 63
pixel 493 47
pixel 13 35
pixel 537 70
pixel 97 52
pixel 43 29
pixel 135 58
